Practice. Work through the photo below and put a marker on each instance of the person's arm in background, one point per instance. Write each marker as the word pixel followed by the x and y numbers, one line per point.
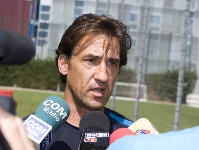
pixel 14 132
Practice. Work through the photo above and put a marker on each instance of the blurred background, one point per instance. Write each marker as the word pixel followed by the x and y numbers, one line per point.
pixel 163 63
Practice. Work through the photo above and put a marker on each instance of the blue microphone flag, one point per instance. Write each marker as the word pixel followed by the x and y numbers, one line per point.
pixel 38 131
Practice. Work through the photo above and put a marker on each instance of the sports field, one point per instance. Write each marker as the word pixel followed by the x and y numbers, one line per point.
pixel 160 114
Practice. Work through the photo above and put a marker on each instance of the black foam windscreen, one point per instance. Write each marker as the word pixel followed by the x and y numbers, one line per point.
pixel 94 120
pixel 94 131
pixel 15 48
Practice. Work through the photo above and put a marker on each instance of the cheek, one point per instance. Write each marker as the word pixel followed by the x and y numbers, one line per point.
pixel 80 76
pixel 113 76
pixel 112 81
pixel 73 76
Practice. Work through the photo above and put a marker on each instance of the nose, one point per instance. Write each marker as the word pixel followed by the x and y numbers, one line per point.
pixel 101 72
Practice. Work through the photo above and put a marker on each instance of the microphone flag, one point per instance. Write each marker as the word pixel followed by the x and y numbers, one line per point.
pixel 38 131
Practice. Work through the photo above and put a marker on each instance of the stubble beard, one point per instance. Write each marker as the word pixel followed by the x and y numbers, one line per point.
pixel 83 102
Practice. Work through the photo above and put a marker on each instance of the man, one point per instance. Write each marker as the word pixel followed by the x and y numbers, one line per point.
pixel 89 58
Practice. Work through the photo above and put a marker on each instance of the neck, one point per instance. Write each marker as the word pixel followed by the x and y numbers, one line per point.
pixel 76 111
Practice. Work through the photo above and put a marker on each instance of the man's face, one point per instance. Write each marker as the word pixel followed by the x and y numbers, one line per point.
pixel 93 69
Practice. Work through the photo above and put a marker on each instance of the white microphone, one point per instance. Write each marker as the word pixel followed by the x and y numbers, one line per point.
pixel 143 126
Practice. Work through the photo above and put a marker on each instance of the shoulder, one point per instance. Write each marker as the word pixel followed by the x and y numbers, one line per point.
pixel 117 120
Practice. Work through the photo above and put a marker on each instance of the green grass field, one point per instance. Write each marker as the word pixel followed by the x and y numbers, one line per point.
pixel 161 115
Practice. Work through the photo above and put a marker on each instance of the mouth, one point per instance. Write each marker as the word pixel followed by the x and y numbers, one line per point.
pixel 98 92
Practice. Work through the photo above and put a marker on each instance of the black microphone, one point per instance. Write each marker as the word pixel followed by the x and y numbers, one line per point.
pixel 15 48
pixel 8 104
pixel 94 131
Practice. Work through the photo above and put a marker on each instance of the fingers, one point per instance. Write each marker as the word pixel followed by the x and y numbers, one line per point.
pixel 28 145
pixel 14 132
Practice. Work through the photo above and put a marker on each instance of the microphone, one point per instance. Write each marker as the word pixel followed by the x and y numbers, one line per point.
pixel 143 126
pixel 94 131
pixel 119 133
pixel 50 115
pixel 7 102
pixel 174 140
pixel 15 48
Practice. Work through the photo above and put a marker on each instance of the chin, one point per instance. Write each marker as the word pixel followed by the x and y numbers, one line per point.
pixel 95 107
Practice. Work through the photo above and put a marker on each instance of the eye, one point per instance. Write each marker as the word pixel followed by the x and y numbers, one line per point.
pixel 90 60
pixel 113 63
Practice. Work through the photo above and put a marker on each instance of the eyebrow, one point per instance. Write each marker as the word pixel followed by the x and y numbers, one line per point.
pixel 91 56
pixel 96 56
pixel 115 60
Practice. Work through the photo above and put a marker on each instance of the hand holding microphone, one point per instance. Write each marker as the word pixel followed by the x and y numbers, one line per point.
pixel 49 116
pixel 14 49
pixel 13 133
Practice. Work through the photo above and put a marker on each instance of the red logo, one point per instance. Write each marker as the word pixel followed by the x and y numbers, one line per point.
pixel 90 139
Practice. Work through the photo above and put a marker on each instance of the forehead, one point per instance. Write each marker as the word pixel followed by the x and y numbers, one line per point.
pixel 96 43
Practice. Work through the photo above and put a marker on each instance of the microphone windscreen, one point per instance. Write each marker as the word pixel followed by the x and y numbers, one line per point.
pixel 54 111
pixel 94 120
pixel 15 48
pixel 119 133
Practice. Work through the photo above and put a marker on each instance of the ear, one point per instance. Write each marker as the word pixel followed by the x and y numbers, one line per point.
pixel 63 64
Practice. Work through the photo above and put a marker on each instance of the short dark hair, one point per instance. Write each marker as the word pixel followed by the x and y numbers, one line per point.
pixel 92 23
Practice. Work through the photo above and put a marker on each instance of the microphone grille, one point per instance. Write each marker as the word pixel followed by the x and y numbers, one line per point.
pixel 94 120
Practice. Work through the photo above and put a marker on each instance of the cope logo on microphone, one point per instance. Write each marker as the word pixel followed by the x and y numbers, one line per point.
pixel 36 129
pixel 142 131
pixel 90 139
pixel 54 109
